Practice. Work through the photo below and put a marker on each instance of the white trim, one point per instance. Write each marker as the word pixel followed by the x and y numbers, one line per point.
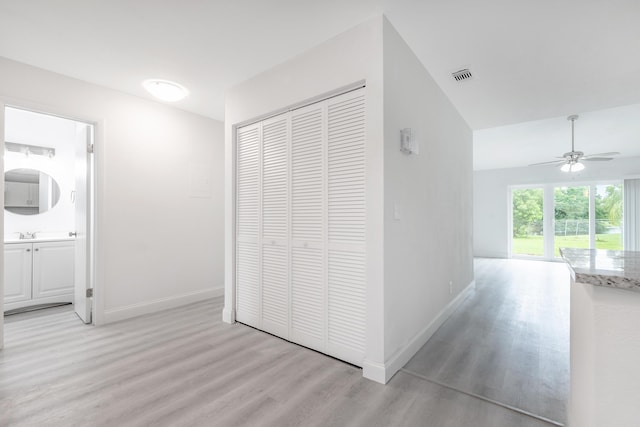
pixel 228 316
pixel 2 107
pixel 383 373
pixel 535 258
pixel 96 277
pixel 631 215
pixel 592 216
pixel 492 255
pixel 229 311
pixel 374 371
pixel 148 307
pixel 549 222
pixel 509 222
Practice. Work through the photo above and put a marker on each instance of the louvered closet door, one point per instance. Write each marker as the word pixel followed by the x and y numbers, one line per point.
pixel 300 226
pixel 248 155
pixel 346 227
pixel 275 225
pixel 308 289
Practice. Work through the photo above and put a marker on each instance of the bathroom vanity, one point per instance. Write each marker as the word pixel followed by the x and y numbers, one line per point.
pixel 605 337
pixel 38 271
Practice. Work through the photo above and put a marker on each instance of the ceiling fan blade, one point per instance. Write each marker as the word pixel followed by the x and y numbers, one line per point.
pixel 596 159
pixel 548 163
pixel 612 153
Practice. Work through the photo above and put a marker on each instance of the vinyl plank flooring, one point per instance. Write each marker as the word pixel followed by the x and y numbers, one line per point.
pixel 185 367
pixel 509 341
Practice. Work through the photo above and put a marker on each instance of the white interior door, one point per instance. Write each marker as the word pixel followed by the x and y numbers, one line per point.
pixel 82 280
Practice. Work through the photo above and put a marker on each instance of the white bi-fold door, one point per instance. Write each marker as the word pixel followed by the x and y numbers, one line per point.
pixel 300 226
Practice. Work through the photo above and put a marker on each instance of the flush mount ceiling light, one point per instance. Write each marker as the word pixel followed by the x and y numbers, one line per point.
pixel 571 161
pixel 165 90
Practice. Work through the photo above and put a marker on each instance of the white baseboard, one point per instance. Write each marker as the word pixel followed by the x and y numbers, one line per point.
pixel 499 255
pixel 228 315
pixel 382 373
pixel 374 371
pixel 147 307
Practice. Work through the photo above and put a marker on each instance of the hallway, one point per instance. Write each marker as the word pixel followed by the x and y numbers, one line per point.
pixel 185 367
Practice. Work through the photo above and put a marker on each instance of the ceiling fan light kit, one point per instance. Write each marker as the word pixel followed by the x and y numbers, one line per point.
pixel 572 160
pixel 572 167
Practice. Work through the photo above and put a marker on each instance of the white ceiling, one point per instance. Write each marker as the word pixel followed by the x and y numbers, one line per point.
pixel 522 144
pixel 531 59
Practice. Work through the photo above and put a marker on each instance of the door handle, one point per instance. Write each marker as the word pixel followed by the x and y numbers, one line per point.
pixel 73 234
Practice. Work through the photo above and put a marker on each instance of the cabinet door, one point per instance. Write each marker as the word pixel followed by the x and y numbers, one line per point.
pixel 53 273
pixel 17 272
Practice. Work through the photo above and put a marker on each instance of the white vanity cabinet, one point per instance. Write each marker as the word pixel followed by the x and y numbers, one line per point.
pixel 17 273
pixel 38 273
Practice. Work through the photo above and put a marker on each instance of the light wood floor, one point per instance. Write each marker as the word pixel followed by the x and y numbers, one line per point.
pixel 184 367
pixel 509 342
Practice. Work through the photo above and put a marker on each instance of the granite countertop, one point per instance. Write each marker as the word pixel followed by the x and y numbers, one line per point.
pixel 614 269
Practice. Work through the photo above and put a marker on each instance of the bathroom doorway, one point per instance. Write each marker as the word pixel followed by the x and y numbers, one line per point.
pixel 47 220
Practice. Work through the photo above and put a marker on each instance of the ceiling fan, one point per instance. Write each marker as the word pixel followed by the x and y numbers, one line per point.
pixel 571 161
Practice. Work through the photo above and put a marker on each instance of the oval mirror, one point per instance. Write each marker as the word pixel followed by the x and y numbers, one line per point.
pixel 29 192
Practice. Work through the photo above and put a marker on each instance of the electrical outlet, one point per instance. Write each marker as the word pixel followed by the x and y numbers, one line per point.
pixel 450 287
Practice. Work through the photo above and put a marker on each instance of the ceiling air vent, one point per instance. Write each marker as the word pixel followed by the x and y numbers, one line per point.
pixel 462 75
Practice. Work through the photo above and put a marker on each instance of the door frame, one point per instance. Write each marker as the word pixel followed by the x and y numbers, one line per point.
pixel 96 213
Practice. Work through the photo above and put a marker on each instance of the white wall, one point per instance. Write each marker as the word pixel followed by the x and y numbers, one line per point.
pixel 157 244
pixel 431 243
pixel 25 127
pixel 409 270
pixel 346 59
pixel 491 192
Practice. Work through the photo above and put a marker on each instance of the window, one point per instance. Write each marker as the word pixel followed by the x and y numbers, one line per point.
pixel 571 218
pixel 528 222
pixel 546 218
pixel 609 216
